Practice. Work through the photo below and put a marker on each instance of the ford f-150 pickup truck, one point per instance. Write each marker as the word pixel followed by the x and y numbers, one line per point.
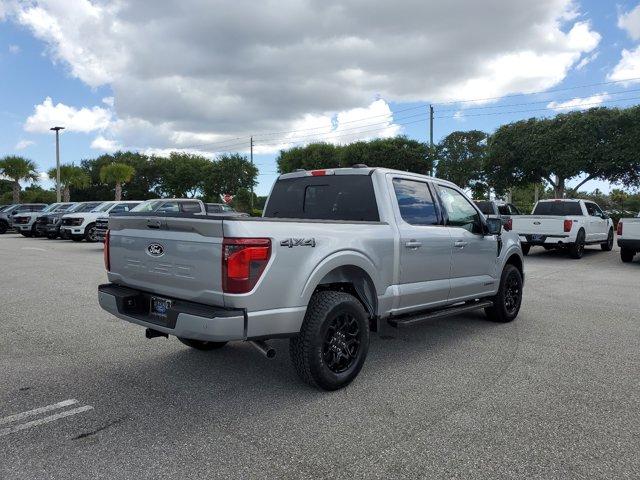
pixel 567 224
pixel 629 238
pixel 336 254
pixel 82 225
pixel 8 213
pixel 25 223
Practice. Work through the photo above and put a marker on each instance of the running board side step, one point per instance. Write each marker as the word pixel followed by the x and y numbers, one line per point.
pixel 407 321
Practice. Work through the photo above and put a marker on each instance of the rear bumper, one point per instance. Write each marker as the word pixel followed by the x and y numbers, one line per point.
pixel 528 239
pixel 184 319
pixel 630 244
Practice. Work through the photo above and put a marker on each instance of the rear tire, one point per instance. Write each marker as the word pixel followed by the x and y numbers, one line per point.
pixel 576 249
pixel 626 255
pixel 333 342
pixel 201 344
pixel 608 245
pixel 526 249
pixel 507 302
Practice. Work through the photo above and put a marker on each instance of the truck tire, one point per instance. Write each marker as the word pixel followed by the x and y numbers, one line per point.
pixel 526 249
pixel 608 245
pixel 77 238
pixel 576 249
pixel 3 227
pixel 333 342
pixel 201 344
pixel 90 233
pixel 34 231
pixel 626 255
pixel 507 302
pixel 25 234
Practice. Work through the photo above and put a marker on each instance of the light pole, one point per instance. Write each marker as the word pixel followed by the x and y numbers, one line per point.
pixel 57 130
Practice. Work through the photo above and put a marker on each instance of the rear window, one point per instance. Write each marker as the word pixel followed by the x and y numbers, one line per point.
pixel 331 197
pixel 485 207
pixel 558 208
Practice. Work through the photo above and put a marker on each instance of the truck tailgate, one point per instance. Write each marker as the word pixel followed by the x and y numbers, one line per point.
pixel 173 256
pixel 631 228
pixel 538 224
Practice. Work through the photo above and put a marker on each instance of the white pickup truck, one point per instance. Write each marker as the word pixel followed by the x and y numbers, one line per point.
pixel 629 238
pixel 565 223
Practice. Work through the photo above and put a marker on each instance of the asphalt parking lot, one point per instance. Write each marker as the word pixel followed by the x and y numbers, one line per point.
pixel 555 394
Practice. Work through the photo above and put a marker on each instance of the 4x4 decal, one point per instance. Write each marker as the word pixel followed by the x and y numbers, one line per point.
pixel 298 242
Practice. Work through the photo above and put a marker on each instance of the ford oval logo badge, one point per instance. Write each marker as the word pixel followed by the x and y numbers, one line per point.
pixel 536 223
pixel 155 250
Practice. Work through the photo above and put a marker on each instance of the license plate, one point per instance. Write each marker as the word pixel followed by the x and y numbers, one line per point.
pixel 160 306
pixel 536 238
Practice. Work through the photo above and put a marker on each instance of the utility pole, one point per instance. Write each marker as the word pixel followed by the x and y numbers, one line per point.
pixel 251 150
pixel 57 130
pixel 431 139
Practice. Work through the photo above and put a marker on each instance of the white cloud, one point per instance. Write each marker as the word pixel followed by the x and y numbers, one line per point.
pixel 628 67
pixel 105 144
pixel 47 115
pixel 587 59
pixel 630 22
pixel 108 101
pixel 43 177
pixel 579 103
pixel 200 70
pixel 15 49
pixel 22 144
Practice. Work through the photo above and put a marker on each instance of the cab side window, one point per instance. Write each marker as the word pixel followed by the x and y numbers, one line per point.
pixel 415 202
pixel 459 210
pixel 591 210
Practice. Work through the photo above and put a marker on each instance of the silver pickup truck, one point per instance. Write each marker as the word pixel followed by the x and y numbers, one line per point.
pixel 336 254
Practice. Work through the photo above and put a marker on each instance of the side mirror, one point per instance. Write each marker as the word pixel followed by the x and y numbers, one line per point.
pixel 604 216
pixel 494 226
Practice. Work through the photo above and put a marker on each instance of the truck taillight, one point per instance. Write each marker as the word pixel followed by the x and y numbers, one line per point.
pixel 107 258
pixel 568 224
pixel 619 229
pixel 509 225
pixel 243 261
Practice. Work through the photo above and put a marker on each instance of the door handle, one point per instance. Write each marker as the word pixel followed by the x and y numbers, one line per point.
pixel 413 244
pixel 460 244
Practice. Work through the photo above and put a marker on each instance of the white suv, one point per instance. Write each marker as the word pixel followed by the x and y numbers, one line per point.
pixel 78 226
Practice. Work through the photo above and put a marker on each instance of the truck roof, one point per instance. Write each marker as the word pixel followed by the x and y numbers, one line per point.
pixel 357 170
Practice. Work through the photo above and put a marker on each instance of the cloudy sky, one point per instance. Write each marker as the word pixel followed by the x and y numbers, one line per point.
pixel 204 75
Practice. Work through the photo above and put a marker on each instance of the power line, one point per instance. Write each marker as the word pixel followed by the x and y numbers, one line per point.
pixel 540 109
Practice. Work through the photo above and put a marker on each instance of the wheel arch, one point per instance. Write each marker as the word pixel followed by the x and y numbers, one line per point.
pixel 515 260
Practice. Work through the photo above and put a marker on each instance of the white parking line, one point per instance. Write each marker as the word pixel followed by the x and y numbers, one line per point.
pixel 42 421
pixel 37 411
pixel 34 248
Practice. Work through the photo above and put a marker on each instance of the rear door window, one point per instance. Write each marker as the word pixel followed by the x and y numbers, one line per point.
pixel 331 197
pixel 415 202
pixel 191 207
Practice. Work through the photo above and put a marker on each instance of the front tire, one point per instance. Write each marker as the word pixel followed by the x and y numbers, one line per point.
pixel 201 344
pixel 90 233
pixel 507 302
pixel 333 342
pixel 608 245
pixel 576 249
pixel 77 238
pixel 3 227
pixel 626 255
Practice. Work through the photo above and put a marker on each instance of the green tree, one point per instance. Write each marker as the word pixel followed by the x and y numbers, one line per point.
pixel 595 144
pixel 230 173
pixel 461 160
pixel 309 157
pixel 118 174
pixel 183 174
pixel 618 197
pixel 70 176
pixel 17 169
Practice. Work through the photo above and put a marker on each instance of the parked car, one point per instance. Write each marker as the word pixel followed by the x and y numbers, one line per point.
pixel 498 209
pixel 565 223
pixel 337 253
pixel 3 207
pixel 80 226
pixel 49 224
pixel 629 237
pixel 224 209
pixel 102 223
pixel 25 223
pixel 6 216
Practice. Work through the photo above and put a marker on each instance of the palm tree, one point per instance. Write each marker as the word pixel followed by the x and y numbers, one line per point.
pixel 17 169
pixel 117 173
pixel 70 176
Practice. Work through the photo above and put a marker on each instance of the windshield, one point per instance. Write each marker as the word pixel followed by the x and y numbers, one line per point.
pixel 65 208
pixel 103 207
pixel 485 207
pixel 53 206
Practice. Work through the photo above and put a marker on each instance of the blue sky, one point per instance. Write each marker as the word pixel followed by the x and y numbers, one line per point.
pixel 128 104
